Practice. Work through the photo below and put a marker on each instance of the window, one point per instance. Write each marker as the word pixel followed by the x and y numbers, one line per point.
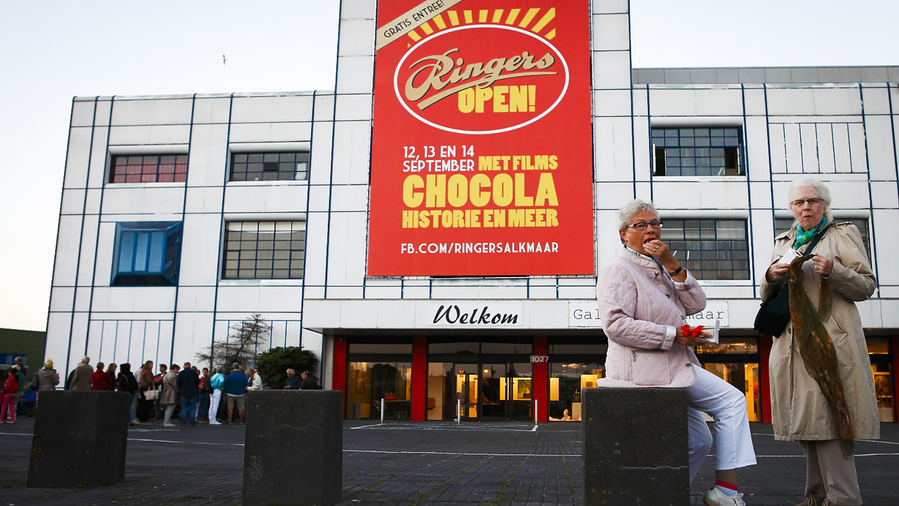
pixel 744 376
pixel 264 249
pixel 710 249
pixel 696 151
pixel 149 169
pixel 818 147
pixel 782 225
pixel 566 382
pixel 147 254
pixel 269 166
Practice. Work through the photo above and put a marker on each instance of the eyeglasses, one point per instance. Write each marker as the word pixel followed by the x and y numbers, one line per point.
pixel 641 225
pixel 802 202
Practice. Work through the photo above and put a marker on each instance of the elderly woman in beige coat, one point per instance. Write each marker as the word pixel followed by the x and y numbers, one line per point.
pixel 824 424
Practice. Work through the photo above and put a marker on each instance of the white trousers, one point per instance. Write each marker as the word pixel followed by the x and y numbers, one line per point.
pixel 727 405
pixel 214 398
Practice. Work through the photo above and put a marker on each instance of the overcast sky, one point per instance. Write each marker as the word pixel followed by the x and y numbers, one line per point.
pixel 53 50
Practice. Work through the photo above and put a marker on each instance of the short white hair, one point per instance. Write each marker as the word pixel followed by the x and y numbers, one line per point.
pixel 819 187
pixel 627 212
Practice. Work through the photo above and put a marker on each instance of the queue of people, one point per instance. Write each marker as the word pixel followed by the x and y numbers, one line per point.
pixel 192 395
pixel 822 391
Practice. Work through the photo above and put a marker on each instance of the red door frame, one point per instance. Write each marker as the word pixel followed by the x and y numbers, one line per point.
pixel 419 377
pixel 540 373
pixel 894 372
pixel 765 343
pixel 338 367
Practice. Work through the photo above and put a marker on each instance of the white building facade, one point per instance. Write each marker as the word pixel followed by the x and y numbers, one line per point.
pixel 183 215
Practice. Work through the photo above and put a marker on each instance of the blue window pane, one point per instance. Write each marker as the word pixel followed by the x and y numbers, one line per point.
pixel 126 253
pixel 156 252
pixel 141 252
pixel 147 254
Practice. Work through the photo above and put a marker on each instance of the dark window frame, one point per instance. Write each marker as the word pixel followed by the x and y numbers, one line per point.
pixel 264 250
pixel 697 151
pixel 722 255
pixel 163 168
pixel 270 166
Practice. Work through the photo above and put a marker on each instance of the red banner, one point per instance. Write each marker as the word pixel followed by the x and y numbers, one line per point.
pixel 482 160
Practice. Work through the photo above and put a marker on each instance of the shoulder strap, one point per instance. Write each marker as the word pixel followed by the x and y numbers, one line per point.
pixel 811 245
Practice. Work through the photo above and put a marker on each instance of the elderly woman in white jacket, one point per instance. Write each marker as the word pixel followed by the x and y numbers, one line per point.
pixel 644 298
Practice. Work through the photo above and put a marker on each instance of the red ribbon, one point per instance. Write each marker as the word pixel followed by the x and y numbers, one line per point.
pixel 694 332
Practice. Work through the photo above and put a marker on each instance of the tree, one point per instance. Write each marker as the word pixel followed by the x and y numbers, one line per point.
pixel 242 345
pixel 273 364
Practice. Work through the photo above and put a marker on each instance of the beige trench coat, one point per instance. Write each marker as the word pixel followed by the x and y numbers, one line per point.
pixel 799 409
pixel 169 389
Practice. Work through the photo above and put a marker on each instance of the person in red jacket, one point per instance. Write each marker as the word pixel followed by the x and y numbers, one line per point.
pixel 8 395
pixel 100 379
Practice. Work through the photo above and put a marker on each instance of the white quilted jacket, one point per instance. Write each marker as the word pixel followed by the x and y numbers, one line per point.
pixel 641 308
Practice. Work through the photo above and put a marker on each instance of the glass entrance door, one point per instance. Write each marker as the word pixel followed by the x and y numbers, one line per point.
pixel 500 391
pixel 496 391
pixel 506 391
pixel 467 390
pixel 519 392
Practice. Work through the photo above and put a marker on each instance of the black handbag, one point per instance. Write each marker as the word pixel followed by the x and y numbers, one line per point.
pixel 774 313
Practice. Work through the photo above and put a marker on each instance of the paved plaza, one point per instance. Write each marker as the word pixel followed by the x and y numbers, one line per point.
pixel 417 464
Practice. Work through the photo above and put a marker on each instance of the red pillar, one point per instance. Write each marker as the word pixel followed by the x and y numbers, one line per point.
pixel 419 377
pixel 540 372
pixel 894 373
pixel 338 368
pixel 765 343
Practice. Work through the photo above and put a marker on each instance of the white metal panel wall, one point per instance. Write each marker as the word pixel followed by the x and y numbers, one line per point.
pixel 209 162
pixel 613 127
pixel 159 111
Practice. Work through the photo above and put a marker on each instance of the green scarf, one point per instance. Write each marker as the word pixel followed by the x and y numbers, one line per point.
pixel 816 348
pixel 803 237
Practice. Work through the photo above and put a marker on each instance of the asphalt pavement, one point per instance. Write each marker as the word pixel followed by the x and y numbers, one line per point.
pixel 411 463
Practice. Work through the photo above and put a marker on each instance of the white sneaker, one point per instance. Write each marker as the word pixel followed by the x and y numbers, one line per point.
pixel 170 425
pixel 214 422
pixel 715 497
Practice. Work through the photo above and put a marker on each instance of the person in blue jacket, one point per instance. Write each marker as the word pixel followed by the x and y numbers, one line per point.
pixel 236 388
pixel 29 399
pixel 293 381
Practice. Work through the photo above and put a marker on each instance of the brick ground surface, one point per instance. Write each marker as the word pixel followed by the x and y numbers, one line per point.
pixel 509 464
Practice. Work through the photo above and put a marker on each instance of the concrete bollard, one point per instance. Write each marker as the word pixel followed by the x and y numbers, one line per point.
pixel 79 439
pixel 293 453
pixel 635 446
